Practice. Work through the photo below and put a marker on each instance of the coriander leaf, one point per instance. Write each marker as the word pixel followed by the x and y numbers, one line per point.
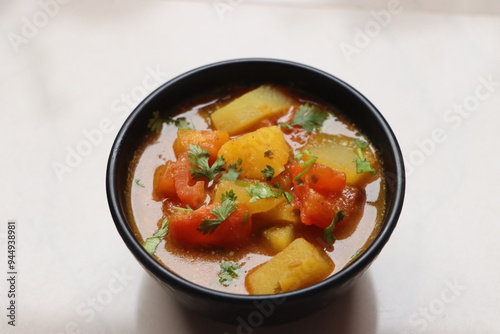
pixel 259 190
pixel 361 144
pixel 152 242
pixel 362 165
pixel 298 155
pixel 286 194
pixel 138 182
pixel 241 183
pixel 228 272
pixel 356 255
pixel 245 218
pixel 232 171
pixel 307 164
pixel 155 123
pixel 328 232
pixel 222 212
pixel 201 168
pixel 268 154
pixel 186 209
pixel 309 118
pixel 268 172
pixel 228 195
pixel 182 124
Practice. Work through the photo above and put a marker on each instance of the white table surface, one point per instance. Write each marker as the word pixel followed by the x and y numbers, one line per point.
pixel 70 69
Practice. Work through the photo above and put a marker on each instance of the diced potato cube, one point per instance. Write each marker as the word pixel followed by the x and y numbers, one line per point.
pixel 279 237
pixel 283 213
pixel 339 152
pixel 261 205
pixel 245 111
pixel 258 149
pixel 299 265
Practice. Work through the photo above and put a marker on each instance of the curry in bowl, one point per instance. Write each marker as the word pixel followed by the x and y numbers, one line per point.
pixel 255 190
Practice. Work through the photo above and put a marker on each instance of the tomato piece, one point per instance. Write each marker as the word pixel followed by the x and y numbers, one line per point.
pixel 318 206
pixel 321 178
pixel 325 179
pixel 210 140
pixel 189 191
pixel 318 209
pixel 163 181
pixel 232 233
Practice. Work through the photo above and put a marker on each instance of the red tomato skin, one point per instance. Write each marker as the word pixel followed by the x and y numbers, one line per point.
pixel 230 234
pixel 190 192
pixel 163 181
pixel 319 207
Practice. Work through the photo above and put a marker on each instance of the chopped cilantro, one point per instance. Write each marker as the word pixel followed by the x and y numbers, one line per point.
pixel 186 209
pixel 232 171
pixel 259 190
pixel 306 164
pixel 152 242
pixel 308 117
pixel 228 272
pixel 356 255
pixel 228 195
pixel 201 168
pixel 328 232
pixel 287 195
pixel 245 218
pixel 268 154
pixel 156 122
pixel 362 165
pixel 268 172
pixel 222 212
pixel 138 182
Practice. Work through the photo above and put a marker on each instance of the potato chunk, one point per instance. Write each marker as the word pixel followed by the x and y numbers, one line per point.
pixel 299 265
pixel 245 111
pixel 279 237
pixel 281 214
pixel 339 152
pixel 258 149
pixel 262 205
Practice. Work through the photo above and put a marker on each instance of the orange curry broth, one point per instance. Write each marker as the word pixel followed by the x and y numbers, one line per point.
pixel 202 266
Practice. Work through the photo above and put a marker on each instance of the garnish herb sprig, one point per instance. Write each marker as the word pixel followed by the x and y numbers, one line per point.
pixel 233 171
pixel 307 117
pixel 222 212
pixel 152 242
pixel 156 122
pixel 228 272
pixel 362 165
pixel 201 167
pixel 306 164
pixel 259 190
pixel 328 235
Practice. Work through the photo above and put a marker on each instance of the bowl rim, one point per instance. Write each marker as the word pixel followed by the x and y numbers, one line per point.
pixel 164 274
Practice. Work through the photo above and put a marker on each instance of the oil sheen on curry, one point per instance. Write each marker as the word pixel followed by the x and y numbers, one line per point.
pixel 255 190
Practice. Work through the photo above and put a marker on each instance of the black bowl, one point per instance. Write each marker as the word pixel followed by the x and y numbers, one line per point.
pixel 234 308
